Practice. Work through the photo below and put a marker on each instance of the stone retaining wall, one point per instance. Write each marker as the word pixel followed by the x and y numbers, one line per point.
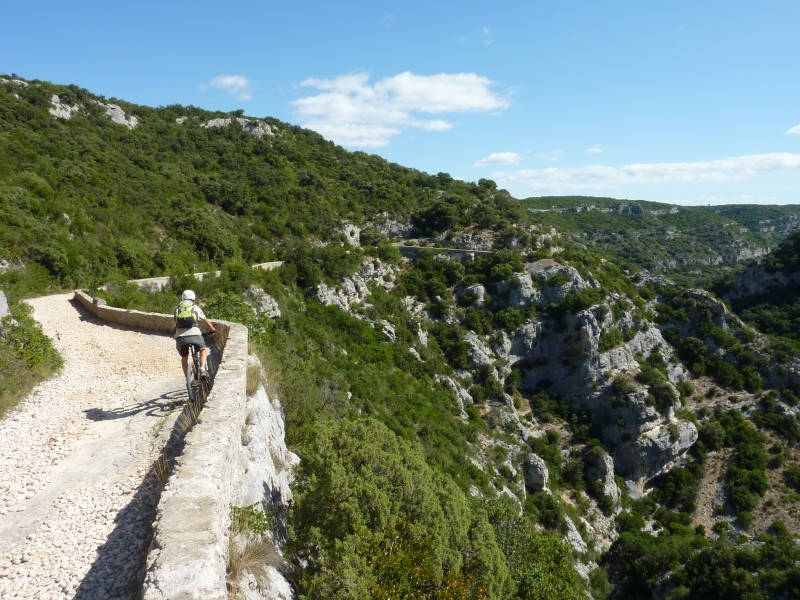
pixel 188 555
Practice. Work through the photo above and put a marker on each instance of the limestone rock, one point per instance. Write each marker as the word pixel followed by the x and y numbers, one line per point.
pixel 477 292
pixel 537 476
pixel 479 354
pixel 118 116
pixel 392 228
pixel 4 310
pixel 463 397
pixel 574 538
pixel 355 289
pixel 388 331
pixel 472 241
pixel 756 280
pixel 256 128
pixel 599 465
pixel 61 109
pixel 651 453
pixel 352 234
pixel 263 303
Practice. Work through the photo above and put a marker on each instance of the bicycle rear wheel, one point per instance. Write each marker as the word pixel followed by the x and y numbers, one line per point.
pixel 190 380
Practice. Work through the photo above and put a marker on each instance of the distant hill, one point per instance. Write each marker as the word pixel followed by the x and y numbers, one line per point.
pixel 694 244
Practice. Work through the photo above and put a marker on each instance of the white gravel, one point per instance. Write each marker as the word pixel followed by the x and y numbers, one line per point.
pixel 75 508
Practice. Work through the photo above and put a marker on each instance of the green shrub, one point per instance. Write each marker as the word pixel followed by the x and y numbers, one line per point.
pixel 362 534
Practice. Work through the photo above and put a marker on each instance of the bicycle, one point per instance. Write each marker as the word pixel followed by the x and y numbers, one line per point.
pixel 197 386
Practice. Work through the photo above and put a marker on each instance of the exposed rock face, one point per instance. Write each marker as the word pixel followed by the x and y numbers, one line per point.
pixel 479 354
pixel 543 282
pixel 463 397
pixel 393 229
pixel 574 538
pixel 256 128
pixel 598 465
pixel 267 466
pixel 262 302
pixel 656 449
pixel 4 311
pixel 61 109
pixel 354 289
pixel 118 116
pixel 388 331
pixel 477 292
pixel 352 234
pixel 537 475
pixel 472 241
pixel 755 280
pixel 562 356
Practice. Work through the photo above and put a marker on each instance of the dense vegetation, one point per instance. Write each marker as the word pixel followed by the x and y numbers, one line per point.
pixel 405 488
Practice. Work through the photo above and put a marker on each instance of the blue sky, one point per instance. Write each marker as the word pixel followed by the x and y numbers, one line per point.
pixel 688 102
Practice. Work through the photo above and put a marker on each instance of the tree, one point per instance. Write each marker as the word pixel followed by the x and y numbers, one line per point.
pixel 373 519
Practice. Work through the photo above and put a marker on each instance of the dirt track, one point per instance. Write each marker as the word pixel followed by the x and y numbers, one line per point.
pixel 75 513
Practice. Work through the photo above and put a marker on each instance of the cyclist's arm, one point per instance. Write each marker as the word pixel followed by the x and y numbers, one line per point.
pixel 209 325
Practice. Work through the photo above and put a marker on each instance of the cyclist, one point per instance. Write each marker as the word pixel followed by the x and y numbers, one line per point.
pixel 188 317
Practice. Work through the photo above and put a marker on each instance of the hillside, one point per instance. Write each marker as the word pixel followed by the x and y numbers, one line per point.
pixel 691 244
pixel 490 398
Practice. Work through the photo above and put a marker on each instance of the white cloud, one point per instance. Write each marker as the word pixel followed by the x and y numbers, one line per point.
pixel 234 85
pixel 596 149
pixel 597 178
pixel 499 158
pixel 793 130
pixel 353 112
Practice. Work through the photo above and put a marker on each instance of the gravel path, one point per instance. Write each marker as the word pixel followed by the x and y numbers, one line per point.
pixel 75 506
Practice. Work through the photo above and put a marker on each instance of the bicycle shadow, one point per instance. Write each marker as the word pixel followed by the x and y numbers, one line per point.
pixel 155 407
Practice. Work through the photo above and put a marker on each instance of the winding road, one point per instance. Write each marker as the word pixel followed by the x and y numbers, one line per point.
pixel 76 504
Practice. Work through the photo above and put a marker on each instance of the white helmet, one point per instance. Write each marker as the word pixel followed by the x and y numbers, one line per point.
pixel 187 295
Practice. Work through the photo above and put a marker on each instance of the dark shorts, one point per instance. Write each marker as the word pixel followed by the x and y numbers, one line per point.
pixel 183 343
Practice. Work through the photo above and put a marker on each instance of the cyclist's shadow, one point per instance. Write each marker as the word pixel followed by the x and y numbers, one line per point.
pixel 154 407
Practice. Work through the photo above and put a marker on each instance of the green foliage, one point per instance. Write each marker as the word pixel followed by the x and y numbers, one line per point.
pixel 678 488
pixel 540 563
pixel 250 519
pixel 768 569
pixel 610 338
pixel 359 491
pixel 27 356
pixel 786 257
pixel 747 478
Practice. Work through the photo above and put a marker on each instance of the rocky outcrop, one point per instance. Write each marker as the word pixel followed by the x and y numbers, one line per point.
pixel 62 109
pixel 391 228
pixel 256 128
pixel 537 476
pixel 755 280
pixel 599 466
pixel 563 357
pixel 653 452
pixel 262 302
pixel 472 241
pixel 354 290
pixel 4 311
pixel 118 116
pixel 352 234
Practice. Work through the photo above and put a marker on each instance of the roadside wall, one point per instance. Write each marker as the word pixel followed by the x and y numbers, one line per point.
pixel 188 554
